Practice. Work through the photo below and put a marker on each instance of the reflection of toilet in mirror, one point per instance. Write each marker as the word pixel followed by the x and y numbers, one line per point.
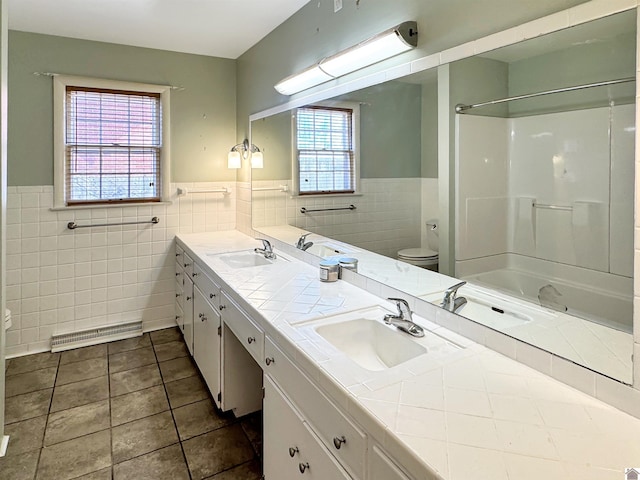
pixel 424 257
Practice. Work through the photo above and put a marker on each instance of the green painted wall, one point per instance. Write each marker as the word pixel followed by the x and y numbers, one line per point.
pixel 390 134
pixel 315 32
pixel 577 65
pixel 203 115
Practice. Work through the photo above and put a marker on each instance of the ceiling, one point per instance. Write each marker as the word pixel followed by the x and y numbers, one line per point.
pixel 207 27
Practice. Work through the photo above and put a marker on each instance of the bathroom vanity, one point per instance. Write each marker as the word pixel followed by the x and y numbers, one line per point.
pixel 347 397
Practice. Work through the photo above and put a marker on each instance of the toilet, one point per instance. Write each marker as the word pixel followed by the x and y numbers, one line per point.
pixel 424 257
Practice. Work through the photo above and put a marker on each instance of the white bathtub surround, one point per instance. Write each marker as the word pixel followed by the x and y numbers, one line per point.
pixel 63 281
pixel 474 414
pixel 382 222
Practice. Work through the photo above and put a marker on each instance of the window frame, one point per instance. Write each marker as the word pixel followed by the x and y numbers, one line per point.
pixel 60 84
pixel 355 132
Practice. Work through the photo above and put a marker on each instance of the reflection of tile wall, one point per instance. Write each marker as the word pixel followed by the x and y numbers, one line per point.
pixel 386 219
pixel 61 280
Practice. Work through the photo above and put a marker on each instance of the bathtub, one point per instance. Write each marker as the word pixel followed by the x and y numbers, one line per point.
pixel 609 308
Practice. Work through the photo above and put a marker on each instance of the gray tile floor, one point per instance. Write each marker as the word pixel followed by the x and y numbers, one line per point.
pixel 134 409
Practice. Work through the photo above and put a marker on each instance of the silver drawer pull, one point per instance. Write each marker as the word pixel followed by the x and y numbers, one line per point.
pixel 202 317
pixel 269 360
pixel 293 451
pixel 194 274
pixel 251 340
pixel 178 274
pixel 303 467
pixel 338 441
pixel 178 295
pixel 188 298
pixel 186 265
pixel 222 307
pixel 178 254
pixel 212 295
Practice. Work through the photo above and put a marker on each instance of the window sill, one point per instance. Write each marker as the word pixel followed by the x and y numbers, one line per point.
pixel 124 205
pixel 329 195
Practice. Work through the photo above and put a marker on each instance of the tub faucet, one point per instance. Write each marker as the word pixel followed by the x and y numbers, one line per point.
pixel 266 250
pixel 302 243
pixel 450 301
pixel 403 320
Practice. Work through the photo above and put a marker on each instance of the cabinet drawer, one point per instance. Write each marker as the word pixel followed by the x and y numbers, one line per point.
pixel 179 256
pixel 187 264
pixel 382 467
pixel 180 295
pixel 209 288
pixel 250 335
pixel 291 448
pixel 343 439
pixel 179 317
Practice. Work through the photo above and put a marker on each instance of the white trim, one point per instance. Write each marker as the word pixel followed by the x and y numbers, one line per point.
pixel 3 445
pixel 60 83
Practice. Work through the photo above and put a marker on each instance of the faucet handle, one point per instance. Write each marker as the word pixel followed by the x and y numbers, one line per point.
pixel 401 302
pixel 266 244
pixel 454 288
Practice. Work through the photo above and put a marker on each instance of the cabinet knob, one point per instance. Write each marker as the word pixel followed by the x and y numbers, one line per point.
pixel 178 317
pixel 212 295
pixel 303 467
pixel 178 254
pixel 178 274
pixel 178 295
pixel 251 340
pixel 338 441
pixel 269 360
pixel 188 298
pixel 194 274
pixel 202 317
pixel 293 451
pixel 222 307
pixel 186 265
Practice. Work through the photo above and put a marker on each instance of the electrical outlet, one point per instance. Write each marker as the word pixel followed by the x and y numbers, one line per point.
pixel 337 6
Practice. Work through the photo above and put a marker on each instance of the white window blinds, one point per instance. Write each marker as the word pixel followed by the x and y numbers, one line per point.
pixel 113 142
pixel 325 150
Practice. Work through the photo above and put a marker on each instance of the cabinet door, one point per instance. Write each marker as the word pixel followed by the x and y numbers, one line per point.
pixel 291 448
pixel 206 343
pixel 188 314
pixel 381 467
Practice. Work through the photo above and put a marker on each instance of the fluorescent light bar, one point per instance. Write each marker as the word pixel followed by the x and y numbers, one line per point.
pixel 308 78
pixel 387 44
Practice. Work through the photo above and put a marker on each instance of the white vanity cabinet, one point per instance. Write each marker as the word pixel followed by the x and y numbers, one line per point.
pixel 184 296
pixel 187 310
pixel 381 467
pixel 207 342
pixel 291 449
pixel 338 434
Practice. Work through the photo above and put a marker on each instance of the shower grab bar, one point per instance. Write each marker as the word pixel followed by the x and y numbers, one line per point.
pixel 74 225
pixel 460 108
pixel 553 207
pixel 306 210
pixel 187 191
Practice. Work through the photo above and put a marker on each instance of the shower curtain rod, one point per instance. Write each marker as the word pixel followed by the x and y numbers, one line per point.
pixel 460 108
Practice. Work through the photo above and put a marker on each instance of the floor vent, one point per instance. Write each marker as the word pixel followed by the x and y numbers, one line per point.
pixel 95 336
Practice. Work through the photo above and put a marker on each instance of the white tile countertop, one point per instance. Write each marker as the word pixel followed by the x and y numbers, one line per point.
pixel 466 412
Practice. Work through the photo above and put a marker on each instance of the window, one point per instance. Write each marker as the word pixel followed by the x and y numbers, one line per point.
pixel 326 149
pixel 110 142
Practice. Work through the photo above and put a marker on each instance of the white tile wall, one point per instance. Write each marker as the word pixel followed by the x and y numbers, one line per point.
pixel 386 219
pixel 61 280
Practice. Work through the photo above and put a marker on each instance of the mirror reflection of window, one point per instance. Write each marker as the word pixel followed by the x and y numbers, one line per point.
pixel 325 150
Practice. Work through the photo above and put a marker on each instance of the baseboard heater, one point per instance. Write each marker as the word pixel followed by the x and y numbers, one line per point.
pixel 94 336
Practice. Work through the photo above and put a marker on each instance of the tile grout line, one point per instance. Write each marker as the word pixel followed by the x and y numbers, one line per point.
pixel 46 424
pixel 175 424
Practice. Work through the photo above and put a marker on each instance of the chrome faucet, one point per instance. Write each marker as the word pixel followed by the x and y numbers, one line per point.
pixel 450 301
pixel 266 250
pixel 302 243
pixel 403 320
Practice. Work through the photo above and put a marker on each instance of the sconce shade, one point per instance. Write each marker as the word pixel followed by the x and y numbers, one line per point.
pixel 385 45
pixel 234 160
pixel 257 160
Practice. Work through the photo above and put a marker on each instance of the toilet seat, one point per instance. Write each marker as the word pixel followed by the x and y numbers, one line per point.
pixel 417 254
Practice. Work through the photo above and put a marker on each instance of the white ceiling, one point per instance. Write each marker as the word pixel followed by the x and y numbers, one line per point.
pixel 208 27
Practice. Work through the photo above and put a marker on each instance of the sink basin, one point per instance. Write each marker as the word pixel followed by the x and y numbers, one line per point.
pixel 244 259
pixel 370 343
pixel 323 249
pixel 361 337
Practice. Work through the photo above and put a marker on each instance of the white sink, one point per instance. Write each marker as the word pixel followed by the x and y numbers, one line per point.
pixel 325 249
pixel 370 343
pixel 243 259
pixel 364 338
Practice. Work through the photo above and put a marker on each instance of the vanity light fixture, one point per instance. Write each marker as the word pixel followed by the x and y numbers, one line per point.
pixel 242 151
pixel 391 42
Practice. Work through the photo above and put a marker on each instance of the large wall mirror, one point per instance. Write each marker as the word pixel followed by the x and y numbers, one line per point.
pixel 540 187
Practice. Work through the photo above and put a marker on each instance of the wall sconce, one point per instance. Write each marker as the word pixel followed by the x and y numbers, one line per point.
pixel 242 151
pixel 387 44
